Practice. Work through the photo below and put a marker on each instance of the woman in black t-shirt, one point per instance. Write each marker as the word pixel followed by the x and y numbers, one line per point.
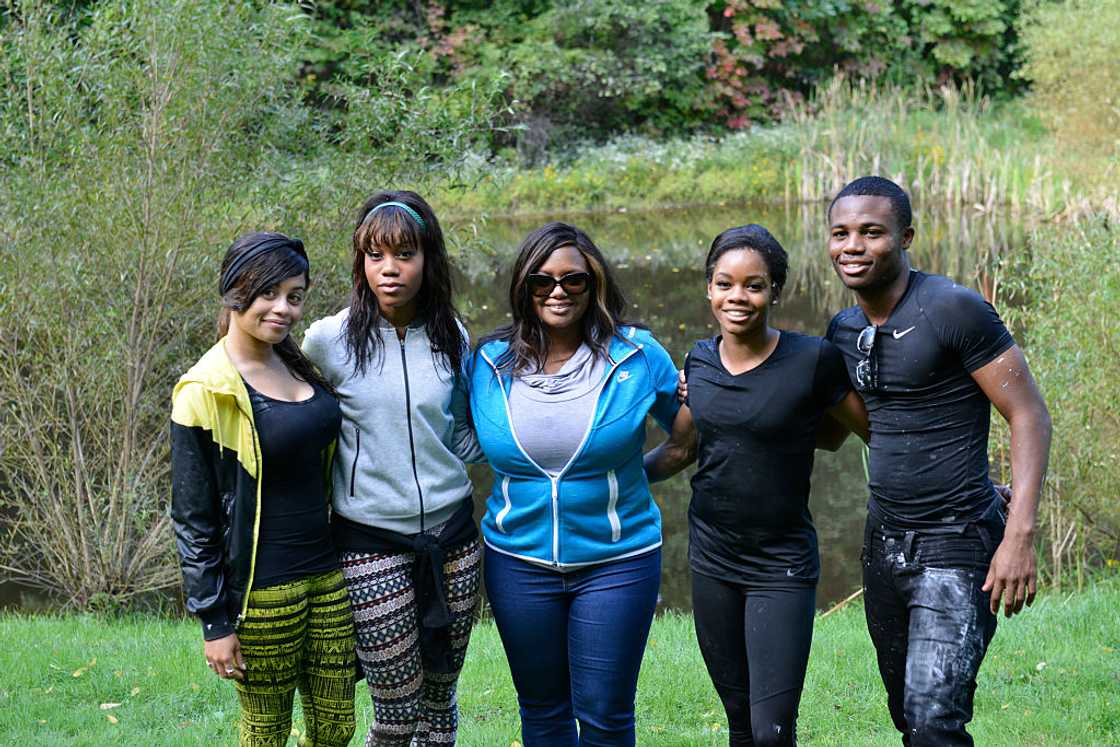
pixel 756 396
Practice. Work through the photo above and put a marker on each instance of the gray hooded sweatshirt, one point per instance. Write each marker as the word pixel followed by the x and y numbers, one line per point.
pixel 405 436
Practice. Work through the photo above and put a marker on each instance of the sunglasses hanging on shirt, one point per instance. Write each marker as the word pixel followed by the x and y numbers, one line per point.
pixel 867 370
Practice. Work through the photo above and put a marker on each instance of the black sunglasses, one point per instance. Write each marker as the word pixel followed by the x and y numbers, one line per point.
pixel 867 370
pixel 574 283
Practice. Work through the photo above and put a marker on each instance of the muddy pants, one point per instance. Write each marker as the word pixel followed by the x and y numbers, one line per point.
pixel 930 623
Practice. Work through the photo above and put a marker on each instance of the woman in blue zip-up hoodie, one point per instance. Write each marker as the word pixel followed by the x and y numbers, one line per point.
pixel 559 399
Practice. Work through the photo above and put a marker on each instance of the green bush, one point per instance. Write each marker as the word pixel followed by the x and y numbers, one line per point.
pixel 126 140
pixel 1072 50
pixel 136 141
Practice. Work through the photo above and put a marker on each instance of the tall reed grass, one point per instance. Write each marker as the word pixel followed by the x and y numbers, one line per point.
pixel 946 145
pixel 1062 299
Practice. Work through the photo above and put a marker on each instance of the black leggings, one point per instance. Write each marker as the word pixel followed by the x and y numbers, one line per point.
pixel 756 645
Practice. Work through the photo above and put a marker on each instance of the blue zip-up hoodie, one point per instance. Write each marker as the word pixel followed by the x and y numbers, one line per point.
pixel 599 507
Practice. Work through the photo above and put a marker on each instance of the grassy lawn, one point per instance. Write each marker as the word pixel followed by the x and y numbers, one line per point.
pixel 1052 677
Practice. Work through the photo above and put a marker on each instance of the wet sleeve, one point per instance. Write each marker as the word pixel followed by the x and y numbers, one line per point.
pixel 830 381
pixel 970 326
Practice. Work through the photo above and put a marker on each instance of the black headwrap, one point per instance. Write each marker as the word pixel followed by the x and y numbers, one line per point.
pixel 268 242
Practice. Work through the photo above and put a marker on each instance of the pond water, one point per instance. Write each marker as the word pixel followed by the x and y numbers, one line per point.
pixel 659 260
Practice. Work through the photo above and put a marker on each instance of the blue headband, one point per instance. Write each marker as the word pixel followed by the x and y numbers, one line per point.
pixel 268 243
pixel 415 215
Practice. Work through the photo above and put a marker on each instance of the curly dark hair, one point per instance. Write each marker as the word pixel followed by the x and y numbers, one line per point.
pixel 394 227
pixel 526 334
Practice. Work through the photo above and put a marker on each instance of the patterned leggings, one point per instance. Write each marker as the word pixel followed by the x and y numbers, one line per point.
pixel 412 706
pixel 298 635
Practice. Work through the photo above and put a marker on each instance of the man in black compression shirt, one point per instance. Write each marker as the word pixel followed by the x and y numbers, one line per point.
pixel 940 554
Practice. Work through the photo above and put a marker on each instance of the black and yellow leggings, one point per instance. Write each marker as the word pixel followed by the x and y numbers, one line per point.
pixel 298 634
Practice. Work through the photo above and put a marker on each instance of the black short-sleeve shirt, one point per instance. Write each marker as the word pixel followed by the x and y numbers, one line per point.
pixel 749 519
pixel 929 418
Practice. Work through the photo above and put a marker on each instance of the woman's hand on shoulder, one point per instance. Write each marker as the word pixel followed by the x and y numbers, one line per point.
pixel 682 387
pixel 223 656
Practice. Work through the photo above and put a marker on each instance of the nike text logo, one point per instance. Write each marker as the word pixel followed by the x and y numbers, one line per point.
pixel 897 334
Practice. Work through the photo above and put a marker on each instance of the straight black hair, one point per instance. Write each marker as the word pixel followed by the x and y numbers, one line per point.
pixel 392 227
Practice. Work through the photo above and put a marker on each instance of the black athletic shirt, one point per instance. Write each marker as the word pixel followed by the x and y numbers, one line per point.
pixel 929 418
pixel 749 520
pixel 295 538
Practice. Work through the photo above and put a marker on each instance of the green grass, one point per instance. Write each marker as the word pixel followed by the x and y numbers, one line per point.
pixel 1052 677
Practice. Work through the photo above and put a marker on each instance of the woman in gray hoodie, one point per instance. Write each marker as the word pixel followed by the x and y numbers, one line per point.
pixel 403 519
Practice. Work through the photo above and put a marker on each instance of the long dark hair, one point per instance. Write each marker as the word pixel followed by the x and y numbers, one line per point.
pixel 257 275
pixel 394 228
pixel 527 336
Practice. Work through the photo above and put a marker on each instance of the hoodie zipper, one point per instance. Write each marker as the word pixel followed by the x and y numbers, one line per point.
pixel 357 453
pixel 411 441
pixel 554 480
pixel 256 524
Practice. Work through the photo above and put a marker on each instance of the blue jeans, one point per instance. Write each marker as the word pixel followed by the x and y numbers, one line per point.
pixel 930 623
pixel 574 642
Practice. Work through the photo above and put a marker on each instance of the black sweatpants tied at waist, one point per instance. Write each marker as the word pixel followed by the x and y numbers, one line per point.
pixel 929 620
pixel 430 550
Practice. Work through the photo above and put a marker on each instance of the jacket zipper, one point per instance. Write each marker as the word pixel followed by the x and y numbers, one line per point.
pixel 501 517
pixel 256 524
pixel 612 505
pixel 357 453
pixel 411 442
pixel 555 480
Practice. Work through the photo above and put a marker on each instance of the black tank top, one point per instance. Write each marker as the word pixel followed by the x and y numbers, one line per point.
pixel 295 539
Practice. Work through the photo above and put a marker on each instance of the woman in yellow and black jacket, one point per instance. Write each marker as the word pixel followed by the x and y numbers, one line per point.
pixel 259 568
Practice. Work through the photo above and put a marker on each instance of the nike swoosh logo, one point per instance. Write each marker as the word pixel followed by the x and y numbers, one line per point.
pixel 899 334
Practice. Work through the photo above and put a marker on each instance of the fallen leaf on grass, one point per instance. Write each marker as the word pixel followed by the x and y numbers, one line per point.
pixel 107 706
pixel 134 692
pixel 112 719
pixel 82 670
pixel 515 743
pixel 1040 666
pixel 42 722
pixel 1005 706
pixel 194 686
pixel 184 724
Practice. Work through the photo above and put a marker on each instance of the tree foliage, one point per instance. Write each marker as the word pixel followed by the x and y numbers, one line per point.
pixel 1072 50
pixel 587 69
pixel 137 139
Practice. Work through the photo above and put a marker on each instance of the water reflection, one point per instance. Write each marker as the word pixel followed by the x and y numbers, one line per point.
pixel 659 258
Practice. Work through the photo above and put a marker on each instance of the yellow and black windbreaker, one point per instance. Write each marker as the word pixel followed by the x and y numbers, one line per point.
pixel 215 490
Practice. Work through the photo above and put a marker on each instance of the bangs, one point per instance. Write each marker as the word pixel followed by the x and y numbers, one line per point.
pixel 272 269
pixel 388 229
